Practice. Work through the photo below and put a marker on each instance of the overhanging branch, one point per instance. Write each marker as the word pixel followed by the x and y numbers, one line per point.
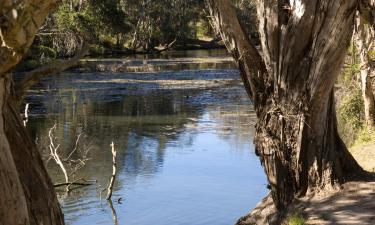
pixel 253 70
pixel 33 77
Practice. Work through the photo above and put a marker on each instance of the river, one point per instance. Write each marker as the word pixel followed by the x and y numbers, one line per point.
pixel 182 125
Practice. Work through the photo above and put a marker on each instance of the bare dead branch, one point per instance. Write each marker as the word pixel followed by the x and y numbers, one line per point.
pixel 53 151
pixel 167 47
pixel 113 177
pixel 75 147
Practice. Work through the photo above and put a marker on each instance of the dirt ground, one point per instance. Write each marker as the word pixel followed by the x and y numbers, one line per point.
pixel 365 155
pixel 353 204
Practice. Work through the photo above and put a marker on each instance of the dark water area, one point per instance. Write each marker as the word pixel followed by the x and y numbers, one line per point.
pixel 183 139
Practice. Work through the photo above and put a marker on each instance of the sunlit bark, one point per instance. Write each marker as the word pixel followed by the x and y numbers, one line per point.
pixel 303 48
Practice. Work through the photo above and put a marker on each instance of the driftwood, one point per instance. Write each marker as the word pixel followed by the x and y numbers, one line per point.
pixel 113 177
pixel 166 47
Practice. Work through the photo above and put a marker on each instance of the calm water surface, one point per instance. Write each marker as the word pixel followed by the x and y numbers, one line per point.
pixel 183 136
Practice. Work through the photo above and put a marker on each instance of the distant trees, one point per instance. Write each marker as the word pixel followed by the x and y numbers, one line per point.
pixel 136 25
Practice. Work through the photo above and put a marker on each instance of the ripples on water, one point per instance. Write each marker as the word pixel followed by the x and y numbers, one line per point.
pixel 185 153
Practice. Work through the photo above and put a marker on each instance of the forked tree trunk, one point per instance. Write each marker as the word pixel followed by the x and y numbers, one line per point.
pixel 27 195
pixel 365 40
pixel 304 43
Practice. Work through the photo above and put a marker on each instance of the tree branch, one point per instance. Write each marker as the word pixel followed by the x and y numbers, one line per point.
pixel 253 70
pixel 33 77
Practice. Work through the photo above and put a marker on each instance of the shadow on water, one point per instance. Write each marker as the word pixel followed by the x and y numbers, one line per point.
pixel 185 153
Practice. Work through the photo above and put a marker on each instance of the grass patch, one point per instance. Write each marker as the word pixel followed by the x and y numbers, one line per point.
pixel 295 219
pixel 365 137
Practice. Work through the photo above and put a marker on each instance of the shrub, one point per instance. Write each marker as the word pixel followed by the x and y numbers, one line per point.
pixel 295 219
pixel 351 109
pixel 37 51
pixel 96 50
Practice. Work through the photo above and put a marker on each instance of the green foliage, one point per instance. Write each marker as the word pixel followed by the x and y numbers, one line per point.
pixel 371 55
pixel 352 68
pixel 351 110
pixel 246 10
pixel 295 219
pixel 36 52
pixel 108 16
pixel 96 50
pixel 116 24
pixel 365 136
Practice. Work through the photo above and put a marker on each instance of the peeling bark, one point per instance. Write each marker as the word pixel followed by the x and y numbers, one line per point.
pixel 304 43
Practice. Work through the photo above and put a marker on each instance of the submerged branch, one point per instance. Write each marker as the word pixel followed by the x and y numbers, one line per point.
pixel 72 183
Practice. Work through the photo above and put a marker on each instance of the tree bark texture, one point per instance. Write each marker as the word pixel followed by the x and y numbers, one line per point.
pixel 364 37
pixel 27 193
pixel 303 44
pixel 13 206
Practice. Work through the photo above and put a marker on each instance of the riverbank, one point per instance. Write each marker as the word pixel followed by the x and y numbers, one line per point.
pixel 353 204
pixel 133 61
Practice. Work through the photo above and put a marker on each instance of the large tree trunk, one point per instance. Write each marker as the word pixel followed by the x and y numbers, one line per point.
pixel 365 39
pixel 27 195
pixel 13 206
pixel 304 43
pixel 31 186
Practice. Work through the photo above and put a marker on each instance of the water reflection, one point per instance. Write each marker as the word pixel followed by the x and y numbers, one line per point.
pixel 185 154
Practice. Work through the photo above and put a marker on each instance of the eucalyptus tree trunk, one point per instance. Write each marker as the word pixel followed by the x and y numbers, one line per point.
pixel 364 37
pixel 304 43
pixel 27 195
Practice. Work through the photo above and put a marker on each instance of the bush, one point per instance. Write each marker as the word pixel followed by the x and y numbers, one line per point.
pixel 96 50
pixel 351 109
pixel 365 136
pixel 350 115
pixel 295 219
pixel 37 51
